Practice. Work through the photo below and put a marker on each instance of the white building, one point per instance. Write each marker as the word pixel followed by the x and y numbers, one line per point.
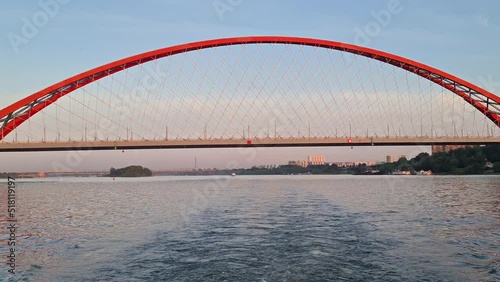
pixel 316 160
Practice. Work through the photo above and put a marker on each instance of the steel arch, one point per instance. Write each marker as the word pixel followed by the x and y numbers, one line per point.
pixel 14 115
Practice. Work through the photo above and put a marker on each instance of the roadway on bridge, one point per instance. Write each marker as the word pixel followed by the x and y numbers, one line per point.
pixel 230 143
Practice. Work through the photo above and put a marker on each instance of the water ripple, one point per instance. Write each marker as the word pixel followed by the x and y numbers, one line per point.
pixel 262 229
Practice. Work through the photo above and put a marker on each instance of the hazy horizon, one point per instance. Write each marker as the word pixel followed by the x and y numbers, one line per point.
pixel 219 158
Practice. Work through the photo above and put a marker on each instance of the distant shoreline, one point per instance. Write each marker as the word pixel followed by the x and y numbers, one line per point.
pixel 55 178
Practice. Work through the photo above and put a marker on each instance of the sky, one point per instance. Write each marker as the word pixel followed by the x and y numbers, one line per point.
pixel 43 42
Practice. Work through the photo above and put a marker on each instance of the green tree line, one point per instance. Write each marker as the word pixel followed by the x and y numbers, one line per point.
pixel 468 160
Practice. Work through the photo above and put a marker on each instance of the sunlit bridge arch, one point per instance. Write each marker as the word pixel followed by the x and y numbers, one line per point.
pixel 254 91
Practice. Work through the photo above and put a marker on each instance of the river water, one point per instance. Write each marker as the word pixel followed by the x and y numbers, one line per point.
pixel 257 228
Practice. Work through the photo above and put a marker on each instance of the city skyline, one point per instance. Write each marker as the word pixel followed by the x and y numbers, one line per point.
pixel 186 158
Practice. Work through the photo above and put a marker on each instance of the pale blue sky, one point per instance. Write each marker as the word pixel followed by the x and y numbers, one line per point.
pixel 460 37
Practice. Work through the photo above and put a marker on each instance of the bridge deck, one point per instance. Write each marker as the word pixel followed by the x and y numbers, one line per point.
pixel 229 143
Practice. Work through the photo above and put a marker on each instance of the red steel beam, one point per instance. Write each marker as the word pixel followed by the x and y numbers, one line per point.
pixel 123 64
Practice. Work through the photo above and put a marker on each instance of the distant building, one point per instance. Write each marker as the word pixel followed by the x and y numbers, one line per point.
pixel 302 163
pixel 268 166
pixel 298 163
pixel 402 157
pixel 351 164
pixel 344 164
pixel 446 148
pixel 389 159
pixel 316 160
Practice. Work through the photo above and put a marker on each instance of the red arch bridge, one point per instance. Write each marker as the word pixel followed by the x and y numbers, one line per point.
pixel 253 91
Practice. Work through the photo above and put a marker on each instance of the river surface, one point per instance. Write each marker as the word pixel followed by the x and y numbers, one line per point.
pixel 256 228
